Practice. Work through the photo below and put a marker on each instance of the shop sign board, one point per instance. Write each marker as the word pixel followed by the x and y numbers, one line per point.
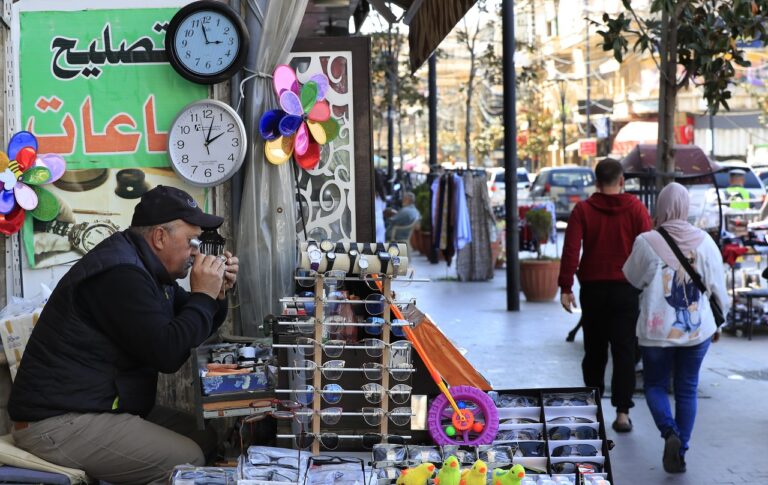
pixel 94 82
pixel 588 147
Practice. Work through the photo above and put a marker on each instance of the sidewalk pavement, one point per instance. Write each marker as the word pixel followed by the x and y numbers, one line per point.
pixel 730 439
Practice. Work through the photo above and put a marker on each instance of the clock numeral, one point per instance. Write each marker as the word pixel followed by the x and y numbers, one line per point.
pixel 230 127
pixel 196 23
pixel 184 43
pixel 229 53
pixel 185 159
pixel 207 113
pixel 231 41
pixel 208 172
pixel 194 169
pixel 235 142
pixel 187 55
pixel 197 61
pixel 189 33
pixel 218 22
pixel 221 168
pixel 184 129
pixel 208 65
pixel 219 62
pixel 207 19
pixel 226 31
pixel 195 118
pixel 180 144
pixel 231 157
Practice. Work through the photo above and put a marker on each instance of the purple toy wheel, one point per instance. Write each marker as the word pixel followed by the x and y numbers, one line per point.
pixel 481 418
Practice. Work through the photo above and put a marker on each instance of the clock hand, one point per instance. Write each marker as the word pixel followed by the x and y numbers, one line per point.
pixel 205 34
pixel 214 138
pixel 207 136
pixel 205 139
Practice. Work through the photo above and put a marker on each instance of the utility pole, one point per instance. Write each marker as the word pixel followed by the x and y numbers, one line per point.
pixel 586 76
pixel 561 87
pixel 432 101
pixel 390 111
pixel 510 155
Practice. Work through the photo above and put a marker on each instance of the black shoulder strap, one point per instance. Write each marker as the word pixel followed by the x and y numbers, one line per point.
pixel 683 260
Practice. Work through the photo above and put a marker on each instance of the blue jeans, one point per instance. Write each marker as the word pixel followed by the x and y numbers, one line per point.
pixel 684 362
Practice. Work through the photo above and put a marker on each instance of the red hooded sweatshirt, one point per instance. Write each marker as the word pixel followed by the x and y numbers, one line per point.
pixel 607 225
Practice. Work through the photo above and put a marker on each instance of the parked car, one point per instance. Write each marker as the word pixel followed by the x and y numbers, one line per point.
pixel 566 185
pixel 497 186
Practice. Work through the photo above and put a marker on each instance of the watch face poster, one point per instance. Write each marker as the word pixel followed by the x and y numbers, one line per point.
pixel 95 204
pixel 94 84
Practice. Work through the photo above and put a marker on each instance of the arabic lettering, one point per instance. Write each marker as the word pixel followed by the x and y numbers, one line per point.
pixel 114 138
pixel 68 62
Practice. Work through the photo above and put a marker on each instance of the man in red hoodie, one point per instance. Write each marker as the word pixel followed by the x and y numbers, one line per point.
pixel 604 227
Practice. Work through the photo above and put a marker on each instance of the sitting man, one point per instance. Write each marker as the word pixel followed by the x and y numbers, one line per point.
pixel 398 225
pixel 738 197
pixel 87 381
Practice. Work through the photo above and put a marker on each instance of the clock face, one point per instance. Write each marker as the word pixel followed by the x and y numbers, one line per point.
pixel 206 42
pixel 207 143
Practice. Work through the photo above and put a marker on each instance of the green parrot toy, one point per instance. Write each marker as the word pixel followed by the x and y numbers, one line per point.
pixel 513 476
pixel 450 474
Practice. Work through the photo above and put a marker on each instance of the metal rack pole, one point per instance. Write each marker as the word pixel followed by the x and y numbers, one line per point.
pixel 316 378
pixel 385 336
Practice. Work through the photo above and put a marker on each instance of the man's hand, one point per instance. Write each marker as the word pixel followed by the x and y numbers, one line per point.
pixel 568 301
pixel 716 336
pixel 207 275
pixel 230 274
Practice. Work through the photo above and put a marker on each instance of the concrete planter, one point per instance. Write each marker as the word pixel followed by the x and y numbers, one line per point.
pixel 538 279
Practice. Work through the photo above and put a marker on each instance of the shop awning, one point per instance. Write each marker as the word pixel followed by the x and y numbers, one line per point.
pixel 429 22
pixel 635 133
pixel 690 161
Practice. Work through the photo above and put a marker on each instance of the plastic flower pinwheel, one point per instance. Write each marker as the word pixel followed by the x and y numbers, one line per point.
pixel 21 174
pixel 304 122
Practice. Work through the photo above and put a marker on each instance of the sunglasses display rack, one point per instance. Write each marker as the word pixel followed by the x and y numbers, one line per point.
pixel 355 390
pixel 559 431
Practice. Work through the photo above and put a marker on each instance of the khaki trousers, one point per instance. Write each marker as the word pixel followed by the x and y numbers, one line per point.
pixel 117 448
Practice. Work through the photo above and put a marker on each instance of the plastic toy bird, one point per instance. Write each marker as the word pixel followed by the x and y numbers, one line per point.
pixel 475 475
pixel 450 474
pixel 513 476
pixel 416 476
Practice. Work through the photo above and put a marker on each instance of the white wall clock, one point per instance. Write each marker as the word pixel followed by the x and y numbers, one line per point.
pixel 207 42
pixel 206 143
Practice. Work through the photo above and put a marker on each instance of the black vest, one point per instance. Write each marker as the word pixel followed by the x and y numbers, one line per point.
pixel 70 364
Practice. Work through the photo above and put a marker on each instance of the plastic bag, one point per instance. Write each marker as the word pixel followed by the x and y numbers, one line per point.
pixel 17 320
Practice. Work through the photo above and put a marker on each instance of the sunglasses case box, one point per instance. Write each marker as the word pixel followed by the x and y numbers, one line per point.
pixel 254 381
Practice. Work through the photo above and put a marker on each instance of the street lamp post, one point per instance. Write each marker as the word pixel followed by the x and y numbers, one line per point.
pixel 561 87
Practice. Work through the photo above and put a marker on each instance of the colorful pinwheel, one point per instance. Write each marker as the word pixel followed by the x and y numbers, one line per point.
pixel 22 172
pixel 304 122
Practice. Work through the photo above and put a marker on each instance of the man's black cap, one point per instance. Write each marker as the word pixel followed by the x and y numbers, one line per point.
pixel 165 204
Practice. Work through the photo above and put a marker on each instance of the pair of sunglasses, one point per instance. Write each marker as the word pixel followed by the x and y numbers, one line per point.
pixel 330 441
pixel 332 393
pixel 512 401
pixel 399 416
pixel 570 419
pixel 566 433
pixel 506 451
pixel 575 450
pixel 529 434
pixel 331 370
pixel 396 325
pixel 571 467
pixel 399 372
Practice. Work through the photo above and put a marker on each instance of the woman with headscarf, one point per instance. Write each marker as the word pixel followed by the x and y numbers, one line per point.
pixel 676 324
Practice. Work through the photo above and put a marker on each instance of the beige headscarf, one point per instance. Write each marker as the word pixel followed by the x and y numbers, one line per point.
pixel 672 215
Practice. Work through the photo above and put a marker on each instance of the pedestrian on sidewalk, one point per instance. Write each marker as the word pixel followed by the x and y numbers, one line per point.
pixel 676 324
pixel 604 228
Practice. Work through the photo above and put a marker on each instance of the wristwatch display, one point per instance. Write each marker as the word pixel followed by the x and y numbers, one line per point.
pixel 83 236
pixel 353 254
pixel 364 263
pixel 315 256
pixel 395 265
pixel 393 250
pixel 384 257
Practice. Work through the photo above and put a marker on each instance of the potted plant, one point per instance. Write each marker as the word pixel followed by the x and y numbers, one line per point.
pixel 538 277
